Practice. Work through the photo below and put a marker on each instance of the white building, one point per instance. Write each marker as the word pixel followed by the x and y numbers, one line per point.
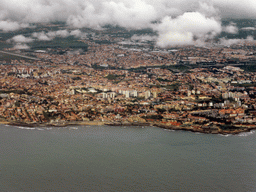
pixel 147 94
pixel 127 94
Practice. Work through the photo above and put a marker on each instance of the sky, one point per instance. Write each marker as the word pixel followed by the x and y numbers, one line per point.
pixel 177 22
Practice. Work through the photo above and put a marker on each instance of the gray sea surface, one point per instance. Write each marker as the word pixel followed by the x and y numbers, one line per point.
pixel 105 158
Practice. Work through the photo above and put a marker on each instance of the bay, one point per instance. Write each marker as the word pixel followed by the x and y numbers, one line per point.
pixel 105 158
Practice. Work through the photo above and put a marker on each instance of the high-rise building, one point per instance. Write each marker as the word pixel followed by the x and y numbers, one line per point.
pixel 127 94
pixel 147 94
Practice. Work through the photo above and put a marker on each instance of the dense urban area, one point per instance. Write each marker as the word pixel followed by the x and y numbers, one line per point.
pixel 201 89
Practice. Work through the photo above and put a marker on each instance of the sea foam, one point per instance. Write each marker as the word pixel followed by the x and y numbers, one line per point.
pixel 27 128
pixel 74 128
pixel 246 134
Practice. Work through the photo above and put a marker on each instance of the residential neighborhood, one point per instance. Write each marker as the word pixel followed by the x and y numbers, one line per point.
pixel 192 88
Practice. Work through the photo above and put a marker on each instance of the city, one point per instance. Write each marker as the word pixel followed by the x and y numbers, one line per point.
pixel 127 95
pixel 200 89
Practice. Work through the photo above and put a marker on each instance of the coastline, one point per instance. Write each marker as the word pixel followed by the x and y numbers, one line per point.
pixel 53 124
pixel 158 125
pixel 207 131
pixel 4 123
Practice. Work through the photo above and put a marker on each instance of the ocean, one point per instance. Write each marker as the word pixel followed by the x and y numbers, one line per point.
pixel 105 158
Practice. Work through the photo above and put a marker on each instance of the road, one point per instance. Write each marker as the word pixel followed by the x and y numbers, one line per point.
pixel 18 55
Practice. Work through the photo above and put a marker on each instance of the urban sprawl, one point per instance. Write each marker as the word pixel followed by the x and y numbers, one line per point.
pixel 201 89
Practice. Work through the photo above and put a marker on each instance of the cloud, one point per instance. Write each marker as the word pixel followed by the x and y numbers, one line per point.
pixel 208 9
pixel 186 28
pixel 60 33
pixel 9 26
pixel 181 21
pixel 21 39
pixel 143 38
pixel 229 42
pixel 236 8
pixel 21 46
pixel 78 34
pixel 231 28
pixel 41 36
pixel 249 38
pixel 131 14
pixel 126 13
pixel 248 28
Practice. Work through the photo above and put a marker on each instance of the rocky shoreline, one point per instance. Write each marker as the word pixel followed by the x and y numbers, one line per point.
pixel 128 124
pixel 65 124
pixel 207 130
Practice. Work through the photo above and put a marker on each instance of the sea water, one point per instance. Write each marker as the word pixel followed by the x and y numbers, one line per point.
pixel 105 158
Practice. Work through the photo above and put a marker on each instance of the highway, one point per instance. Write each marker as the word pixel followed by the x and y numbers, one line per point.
pixel 18 55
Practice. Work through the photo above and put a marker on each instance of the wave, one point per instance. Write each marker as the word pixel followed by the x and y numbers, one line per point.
pixel 246 134
pixel 27 128
pixel 171 130
pixel 226 135
pixel 74 128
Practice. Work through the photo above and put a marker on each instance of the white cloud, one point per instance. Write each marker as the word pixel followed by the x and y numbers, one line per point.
pixel 21 46
pixel 248 28
pixel 41 36
pixel 229 42
pixel 232 29
pixel 250 38
pixel 186 28
pixel 126 13
pixel 9 26
pixel 143 37
pixel 236 8
pixel 60 33
pixel 131 14
pixel 208 9
pixel 78 34
pixel 182 21
pixel 21 39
